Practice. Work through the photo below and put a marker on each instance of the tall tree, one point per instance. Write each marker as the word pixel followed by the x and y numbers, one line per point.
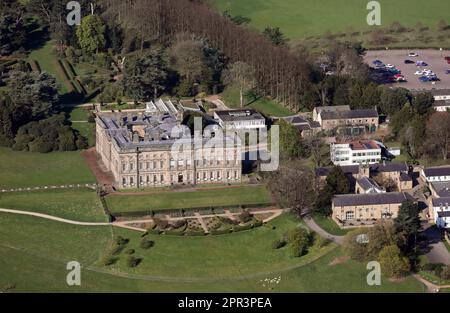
pixel 291 143
pixel 91 34
pixel 275 35
pixel 241 76
pixel 145 76
pixel 187 57
pixel 292 186
pixel 423 102
pixel 438 134
pixel 408 222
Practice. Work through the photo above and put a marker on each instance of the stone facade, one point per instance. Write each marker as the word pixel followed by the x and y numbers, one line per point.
pixel 138 151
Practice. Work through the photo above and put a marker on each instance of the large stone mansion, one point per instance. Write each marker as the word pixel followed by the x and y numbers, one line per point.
pixel 147 148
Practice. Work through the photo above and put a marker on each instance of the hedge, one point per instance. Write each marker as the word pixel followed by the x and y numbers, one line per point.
pixel 221 231
pixel 68 68
pixel 243 227
pixel 187 211
pixel 194 233
pixel 154 231
pixel 34 66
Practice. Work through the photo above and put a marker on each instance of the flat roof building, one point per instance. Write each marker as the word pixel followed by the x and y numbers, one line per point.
pixel 355 152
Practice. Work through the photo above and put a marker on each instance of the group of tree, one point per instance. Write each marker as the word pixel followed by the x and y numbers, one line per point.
pixel 13 27
pixel 417 120
pixel 28 115
pixel 336 183
pixel 392 242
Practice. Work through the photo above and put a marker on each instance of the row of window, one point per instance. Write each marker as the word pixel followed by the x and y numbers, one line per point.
pixel 152 165
pixel 160 179
pixel 365 153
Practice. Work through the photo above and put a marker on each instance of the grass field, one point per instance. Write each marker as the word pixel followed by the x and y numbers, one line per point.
pixel 49 63
pixel 76 204
pixel 302 18
pixel 28 265
pixel 26 169
pixel 191 199
pixel 269 107
pixel 329 225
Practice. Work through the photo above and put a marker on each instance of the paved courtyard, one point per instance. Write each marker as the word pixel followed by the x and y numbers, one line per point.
pixel 434 58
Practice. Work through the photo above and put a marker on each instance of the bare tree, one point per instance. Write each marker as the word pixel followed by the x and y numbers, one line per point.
pixel 242 76
pixel 438 133
pixel 293 186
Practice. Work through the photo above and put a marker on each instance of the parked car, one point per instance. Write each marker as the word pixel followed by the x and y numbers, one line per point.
pixel 395 71
pixel 413 54
pixel 447 71
pixel 424 79
pixel 409 62
pixel 448 61
pixel 419 73
pixel 447 58
pixel 390 66
pixel 421 63
pixel 377 62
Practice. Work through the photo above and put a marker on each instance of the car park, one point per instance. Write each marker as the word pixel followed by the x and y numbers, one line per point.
pixel 421 72
pixel 424 79
pixel 377 62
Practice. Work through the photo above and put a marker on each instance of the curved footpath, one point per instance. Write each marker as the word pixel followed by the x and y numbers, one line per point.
pixel 339 240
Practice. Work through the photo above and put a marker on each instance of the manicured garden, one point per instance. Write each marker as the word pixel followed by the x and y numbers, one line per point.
pixel 27 169
pixel 75 204
pixel 233 196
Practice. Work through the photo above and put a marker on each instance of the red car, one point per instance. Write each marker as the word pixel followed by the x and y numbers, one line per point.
pixel 447 58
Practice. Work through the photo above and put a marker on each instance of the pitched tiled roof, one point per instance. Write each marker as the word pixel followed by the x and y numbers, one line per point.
pixel 372 199
pixel 437 171
pixel 437 202
pixel 389 167
pixel 368 183
pixel 334 115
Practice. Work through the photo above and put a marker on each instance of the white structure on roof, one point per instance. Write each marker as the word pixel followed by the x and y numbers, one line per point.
pixel 355 152
pixel 441 210
pixel 162 107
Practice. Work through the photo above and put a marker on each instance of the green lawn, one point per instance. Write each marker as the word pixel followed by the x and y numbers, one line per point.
pixel 191 199
pixel 303 18
pixel 29 265
pixel 330 226
pixel 49 63
pixel 27 169
pixel 75 204
pixel 269 107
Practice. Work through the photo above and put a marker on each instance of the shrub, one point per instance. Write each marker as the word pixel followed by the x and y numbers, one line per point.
pixel 257 223
pixel 245 216
pixel 298 248
pixel 133 261
pixel 178 223
pixel 392 262
pixel 279 243
pixel 243 227
pixel 130 251
pixel 109 260
pixel 162 224
pixel 117 249
pixel 269 226
pixel 221 231
pixel 320 241
pixel 121 241
pixel 195 233
pixel 147 244
pixel 445 273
